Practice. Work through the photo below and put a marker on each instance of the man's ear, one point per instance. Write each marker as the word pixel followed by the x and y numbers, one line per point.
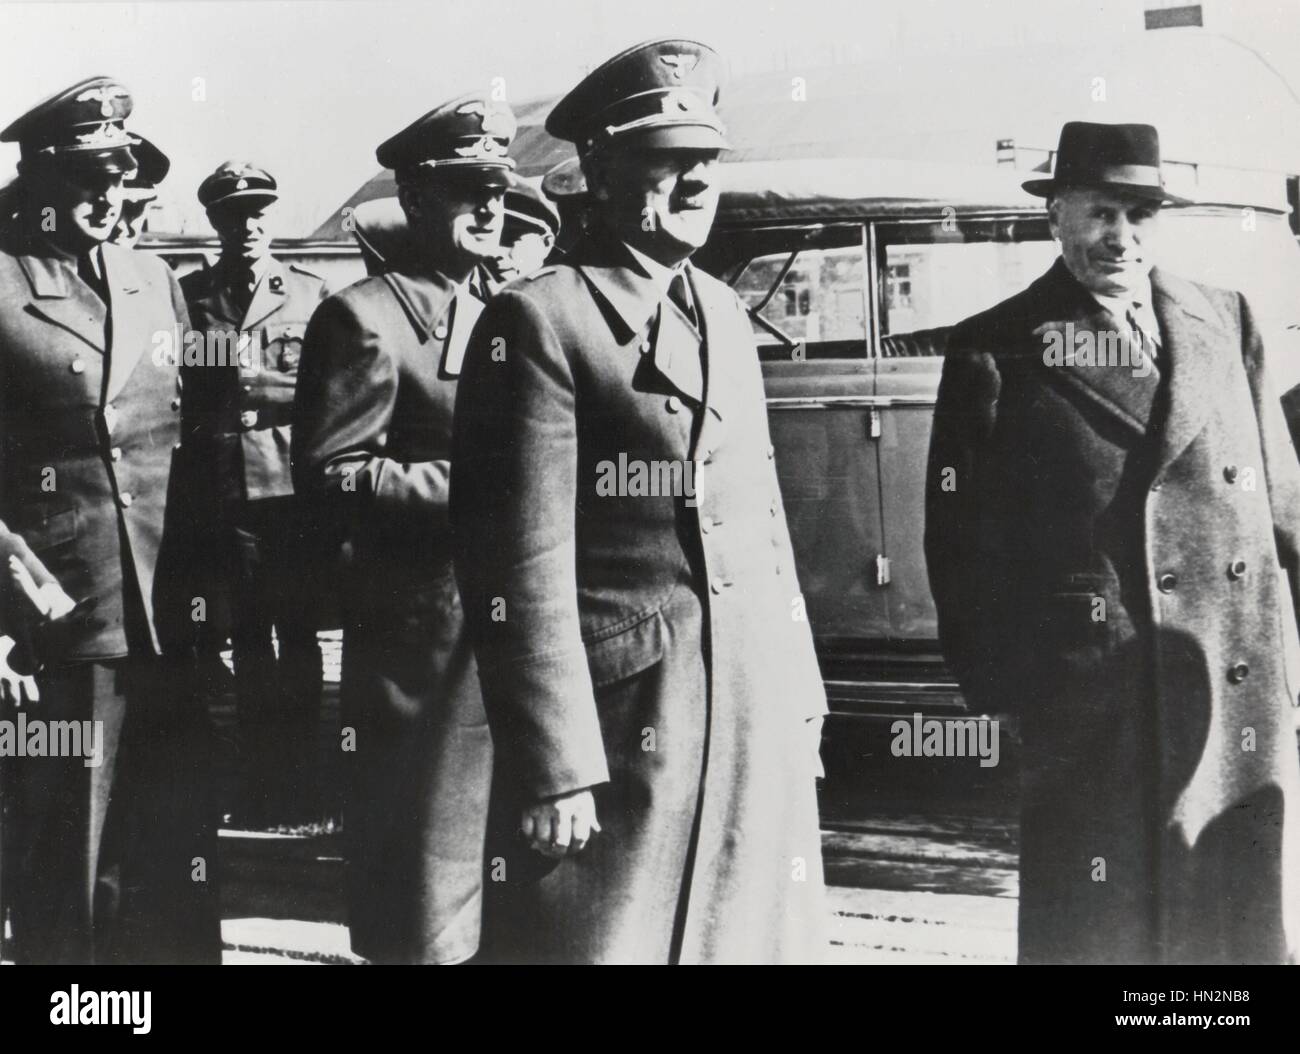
pixel 595 171
pixel 408 197
pixel 1053 216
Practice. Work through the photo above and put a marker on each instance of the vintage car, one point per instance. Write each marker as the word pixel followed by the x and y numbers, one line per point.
pixel 854 271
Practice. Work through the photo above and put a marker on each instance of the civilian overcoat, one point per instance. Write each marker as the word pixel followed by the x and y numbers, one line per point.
pixel 1106 552
pixel 371 438
pixel 643 639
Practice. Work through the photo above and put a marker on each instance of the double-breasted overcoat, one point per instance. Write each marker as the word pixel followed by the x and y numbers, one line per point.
pixel 1109 549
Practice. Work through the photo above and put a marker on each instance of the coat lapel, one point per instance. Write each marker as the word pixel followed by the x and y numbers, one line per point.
pixel 269 296
pixel 1197 348
pixel 633 302
pixel 1073 317
pixel 60 297
pixel 725 337
pixel 130 334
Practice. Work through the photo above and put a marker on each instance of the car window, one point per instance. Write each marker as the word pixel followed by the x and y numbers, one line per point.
pixel 808 299
pixel 932 275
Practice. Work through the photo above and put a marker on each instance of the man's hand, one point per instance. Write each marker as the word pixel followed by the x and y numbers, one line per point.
pixel 15 688
pixel 560 826
pixel 50 601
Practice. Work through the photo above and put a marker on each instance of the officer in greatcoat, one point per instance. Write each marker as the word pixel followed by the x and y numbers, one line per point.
pixel 371 443
pixel 1113 538
pixel 628 579
pixel 252 311
pixel 112 861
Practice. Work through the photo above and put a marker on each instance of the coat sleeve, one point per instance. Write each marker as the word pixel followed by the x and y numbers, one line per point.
pixel 343 409
pixel 1281 467
pixel 514 485
pixel 963 547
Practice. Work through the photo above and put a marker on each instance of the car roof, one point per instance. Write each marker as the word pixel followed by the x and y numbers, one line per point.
pixel 829 189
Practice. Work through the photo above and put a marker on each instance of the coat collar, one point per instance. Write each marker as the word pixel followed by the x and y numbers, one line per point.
pixel 1071 311
pixel 1193 353
pixel 424 299
pixel 58 293
pixel 636 307
pixel 1199 348
pixel 131 335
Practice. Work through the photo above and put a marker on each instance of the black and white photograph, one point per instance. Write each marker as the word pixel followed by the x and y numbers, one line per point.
pixel 552 482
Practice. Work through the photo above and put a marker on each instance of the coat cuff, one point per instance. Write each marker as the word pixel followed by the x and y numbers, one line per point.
pixel 545 724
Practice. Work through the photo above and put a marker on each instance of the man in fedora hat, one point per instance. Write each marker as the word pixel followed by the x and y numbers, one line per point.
pixel 1110 494
pixel 253 311
pixel 109 859
pixel 653 692
pixel 371 443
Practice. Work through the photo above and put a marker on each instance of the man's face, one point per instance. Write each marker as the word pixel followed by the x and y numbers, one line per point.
pixel 131 224
pixel 1106 238
pixel 661 201
pixel 87 202
pixel 528 251
pixel 242 229
pixel 458 219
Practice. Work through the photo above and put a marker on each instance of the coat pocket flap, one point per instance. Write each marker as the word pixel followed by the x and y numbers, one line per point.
pixel 615 656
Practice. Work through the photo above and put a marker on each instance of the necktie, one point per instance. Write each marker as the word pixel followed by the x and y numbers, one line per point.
pixel 679 292
pixel 1144 340
pixel 89 274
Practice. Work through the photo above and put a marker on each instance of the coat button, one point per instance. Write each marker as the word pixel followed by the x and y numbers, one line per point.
pixel 248 389
pixel 176 404
pixel 1230 473
pixel 1237 569
pixel 248 418
pixel 717 584
pixel 1238 672
pixel 645 347
pixel 1155 486
pixel 771 451
pixel 674 404
pixel 110 417
pixel 440 332
pixel 1168 582
pixel 707 524
pixel 116 453
pixel 77 366
pixel 125 499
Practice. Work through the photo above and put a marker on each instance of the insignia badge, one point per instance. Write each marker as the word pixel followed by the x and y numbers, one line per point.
pixel 276 283
pixel 242 184
pixel 680 100
pixel 680 64
pixel 483 147
pixel 104 96
pixel 495 119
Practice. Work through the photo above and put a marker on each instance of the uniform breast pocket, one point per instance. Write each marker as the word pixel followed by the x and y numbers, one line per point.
pixel 621 651
pixel 283 346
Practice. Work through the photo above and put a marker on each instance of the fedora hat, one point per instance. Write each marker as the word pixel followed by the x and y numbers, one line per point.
pixel 1122 157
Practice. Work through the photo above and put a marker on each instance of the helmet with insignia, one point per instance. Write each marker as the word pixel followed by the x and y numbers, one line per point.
pixel 469 132
pixel 84 125
pixel 660 94
pixel 238 181
pixel 527 211
pixel 152 168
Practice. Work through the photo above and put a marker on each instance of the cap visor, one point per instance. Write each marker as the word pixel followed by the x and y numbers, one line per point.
pixel 676 137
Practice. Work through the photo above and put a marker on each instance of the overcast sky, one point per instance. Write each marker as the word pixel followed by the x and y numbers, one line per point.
pixel 309 87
